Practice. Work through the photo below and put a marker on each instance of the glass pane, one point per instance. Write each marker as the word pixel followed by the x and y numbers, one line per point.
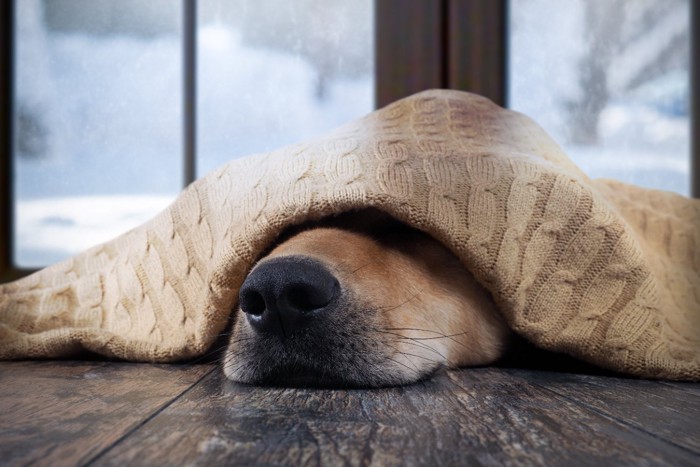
pixel 275 72
pixel 609 80
pixel 97 121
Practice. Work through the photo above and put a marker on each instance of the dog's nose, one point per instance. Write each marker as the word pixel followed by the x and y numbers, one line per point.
pixel 285 294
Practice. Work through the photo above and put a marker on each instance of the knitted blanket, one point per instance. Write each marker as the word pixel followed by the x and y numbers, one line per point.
pixel 603 271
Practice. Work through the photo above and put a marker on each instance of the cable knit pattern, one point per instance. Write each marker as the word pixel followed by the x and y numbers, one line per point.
pixel 606 272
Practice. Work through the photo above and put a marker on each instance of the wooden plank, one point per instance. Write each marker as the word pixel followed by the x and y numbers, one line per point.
pixel 64 413
pixel 666 411
pixel 478 416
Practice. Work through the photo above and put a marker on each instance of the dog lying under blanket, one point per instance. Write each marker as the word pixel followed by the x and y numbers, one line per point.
pixel 363 301
pixel 601 271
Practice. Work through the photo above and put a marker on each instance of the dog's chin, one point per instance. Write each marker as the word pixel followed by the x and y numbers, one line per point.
pixel 346 347
pixel 336 358
pixel 297 376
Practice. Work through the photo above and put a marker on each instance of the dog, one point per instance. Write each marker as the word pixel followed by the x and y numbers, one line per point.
pixel 360 300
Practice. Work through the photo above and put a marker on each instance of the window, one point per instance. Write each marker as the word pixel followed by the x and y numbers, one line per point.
pixel 273 73
pixel 99 94
pixel 97 112
pixel 610 81
pixel 506 50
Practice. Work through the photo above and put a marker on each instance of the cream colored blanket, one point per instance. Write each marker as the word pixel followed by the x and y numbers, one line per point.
pixel 603 271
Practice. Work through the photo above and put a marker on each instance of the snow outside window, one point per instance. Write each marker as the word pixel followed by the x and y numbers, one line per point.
pixel 98 106
pixel 98 110
pixel 609 79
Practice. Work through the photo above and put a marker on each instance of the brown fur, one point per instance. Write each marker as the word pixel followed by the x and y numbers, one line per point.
pixel 409 303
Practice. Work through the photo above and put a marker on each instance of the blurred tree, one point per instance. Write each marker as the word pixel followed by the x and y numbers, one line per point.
pixel 629 43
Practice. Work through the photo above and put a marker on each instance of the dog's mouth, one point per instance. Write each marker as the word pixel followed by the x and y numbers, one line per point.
pixel 296 373
pixel 311 331
pixel 345 348
pixel 368 364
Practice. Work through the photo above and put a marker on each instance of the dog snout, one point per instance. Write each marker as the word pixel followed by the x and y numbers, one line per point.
pixel 286 294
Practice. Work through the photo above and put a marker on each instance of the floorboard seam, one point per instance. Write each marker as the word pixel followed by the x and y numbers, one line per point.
pixel 615 419
pixel 153 415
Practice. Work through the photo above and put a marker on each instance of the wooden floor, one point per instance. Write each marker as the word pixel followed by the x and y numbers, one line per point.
pixel 106 413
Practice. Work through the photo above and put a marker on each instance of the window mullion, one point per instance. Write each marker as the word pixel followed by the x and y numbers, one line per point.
pixel 695 99
pixel 189 78
pixel 409 41
pixel 476 47
pixel 6 117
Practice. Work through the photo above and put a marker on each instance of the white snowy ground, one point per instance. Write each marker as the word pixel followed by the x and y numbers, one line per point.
pixel 51 229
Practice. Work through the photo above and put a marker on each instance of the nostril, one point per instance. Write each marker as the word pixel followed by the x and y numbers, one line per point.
pixel 282 295
pixel 252 302
pixel 309 297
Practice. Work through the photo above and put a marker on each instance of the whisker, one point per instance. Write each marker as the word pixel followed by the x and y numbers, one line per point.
pixel 398 352
pixel 426 347
pixel 413 341
pixel 405 366
pixel 416 329
pixel 408 354
pixel 232 361
pixel 206 355
pixel 361 267
pixel 446 336
pixel 199 359
pixel 439 336
pixel 220 350
pixel 338 267
pixel 409 299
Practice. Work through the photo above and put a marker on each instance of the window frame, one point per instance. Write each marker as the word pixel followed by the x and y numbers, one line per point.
pixel 455 44
pixel 452 44
pixel 8 271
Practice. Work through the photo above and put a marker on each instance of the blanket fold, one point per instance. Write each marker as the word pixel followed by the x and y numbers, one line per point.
pixel 603 271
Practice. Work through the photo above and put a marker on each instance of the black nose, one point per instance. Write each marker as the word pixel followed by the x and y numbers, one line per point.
pixel 285 294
